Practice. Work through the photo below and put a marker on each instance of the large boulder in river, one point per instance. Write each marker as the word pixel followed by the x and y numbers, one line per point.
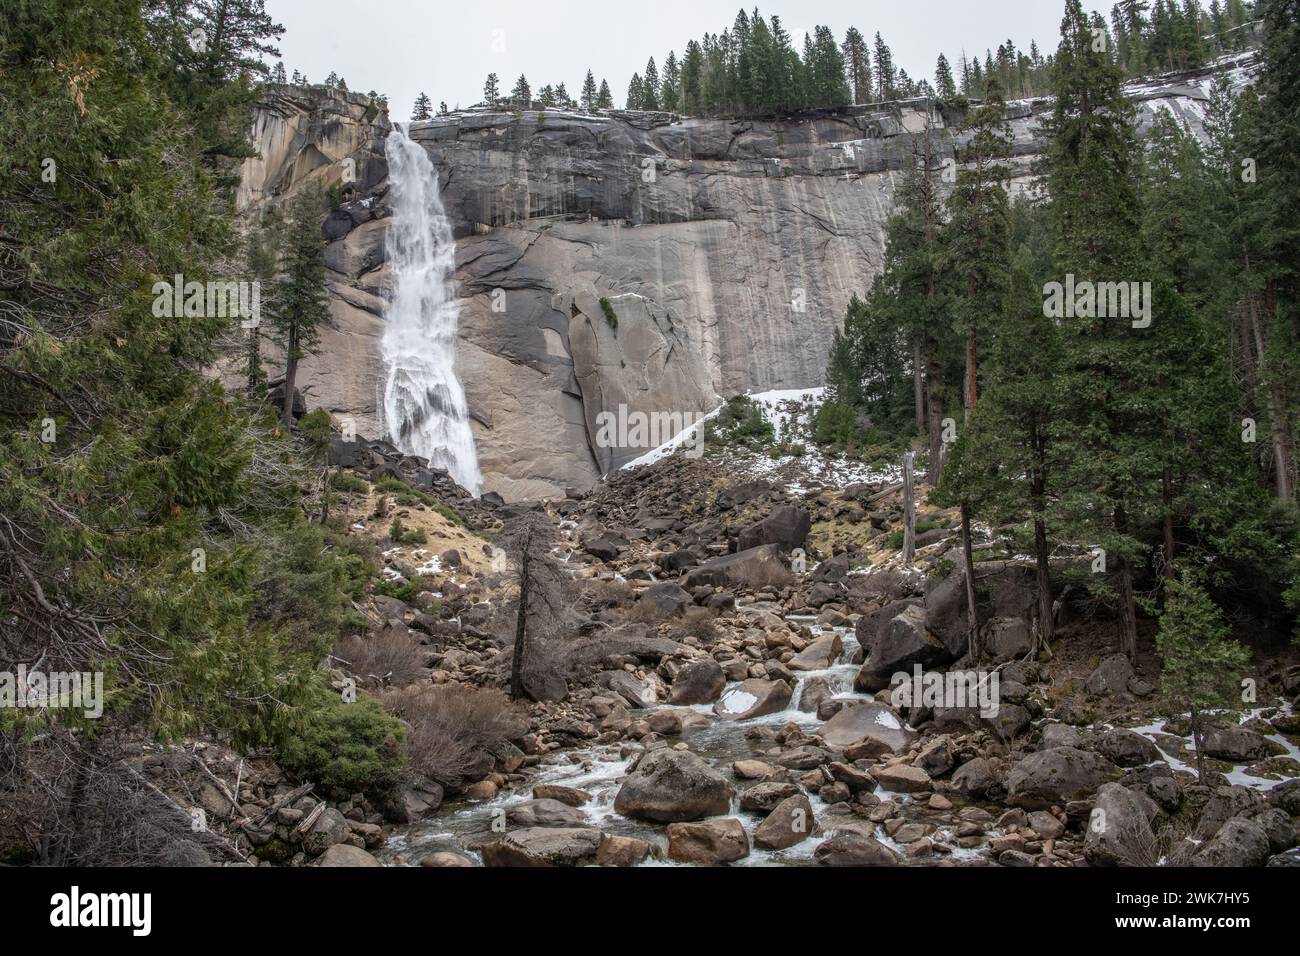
pixel 753 568
pixel 673 785
pixel 1057 776
pixel 790 822
pixel 849 848
pixel 818 655
pixel 698 682
pixel 544 846
pixel 753 698
pixel 904 642
pixel 710 843
pixel 856 723
pixel 786 526
pixel 544 812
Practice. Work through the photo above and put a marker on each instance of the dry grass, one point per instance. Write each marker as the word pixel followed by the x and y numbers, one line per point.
pixel 450 727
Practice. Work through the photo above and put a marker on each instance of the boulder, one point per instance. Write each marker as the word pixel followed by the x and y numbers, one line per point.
pixel 818 655
pixel 945 611
pixel 331 827
pixel 1126 748
pixel 1239 842
pixel 544 846
pixel 1111 676
pixel 786 527
pixel 343 854
pixel 665 599
pixel 446 859
pixel 976 778
pixel 544 812
pixel 1234 744
pixel 767 796
pixel 905 641
pixel 698 681
pixel 1057 776
pixel 752 568
pixel 673 785
pixel 815 690
pixel 710 843
pixel 621 851
pixel 1006 638
pixel 566 795
pixel 849 848
pixel 901 778
pixel 859 722
pixel 790 822
pixel 1060 735
pixel 753 698
pixel 1119 829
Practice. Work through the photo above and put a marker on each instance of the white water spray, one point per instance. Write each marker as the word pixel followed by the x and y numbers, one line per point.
pixel 424 404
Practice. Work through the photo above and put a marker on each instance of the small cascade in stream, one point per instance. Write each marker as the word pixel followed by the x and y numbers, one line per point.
pixel 424 404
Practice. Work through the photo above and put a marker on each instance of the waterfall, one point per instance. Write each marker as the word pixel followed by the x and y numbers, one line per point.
pixel 424 404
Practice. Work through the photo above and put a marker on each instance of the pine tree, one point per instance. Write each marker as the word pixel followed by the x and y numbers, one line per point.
pixel 522 94
pixel 885 76
pixel 421 109
pixel 604 99
pixel 299 305
pixel 442 108
pixel 828 84
pixel 692 95
pixel 635 92
pixel 943 81
pixel 650 86
pixel 278 75
pixel 1201 667
pixel 1091 175
pixel 589 94
pixel 857 62
pixel 492 90
pixel 670 94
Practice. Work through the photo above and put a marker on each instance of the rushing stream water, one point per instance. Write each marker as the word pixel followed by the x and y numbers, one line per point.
pixel 424 404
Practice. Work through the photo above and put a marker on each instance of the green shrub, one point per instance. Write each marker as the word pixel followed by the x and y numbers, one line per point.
pixel 403 535
pixel 611 317
pixel 740 422
pixel 349 482
pixel 344 748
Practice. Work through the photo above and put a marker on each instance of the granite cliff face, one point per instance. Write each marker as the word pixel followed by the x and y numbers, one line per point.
pixel 727 251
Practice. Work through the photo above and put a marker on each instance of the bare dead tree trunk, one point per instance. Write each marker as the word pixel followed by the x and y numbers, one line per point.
pixel 972 612
pixel 909 510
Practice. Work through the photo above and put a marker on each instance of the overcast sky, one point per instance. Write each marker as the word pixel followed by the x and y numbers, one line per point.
pixel 400 47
